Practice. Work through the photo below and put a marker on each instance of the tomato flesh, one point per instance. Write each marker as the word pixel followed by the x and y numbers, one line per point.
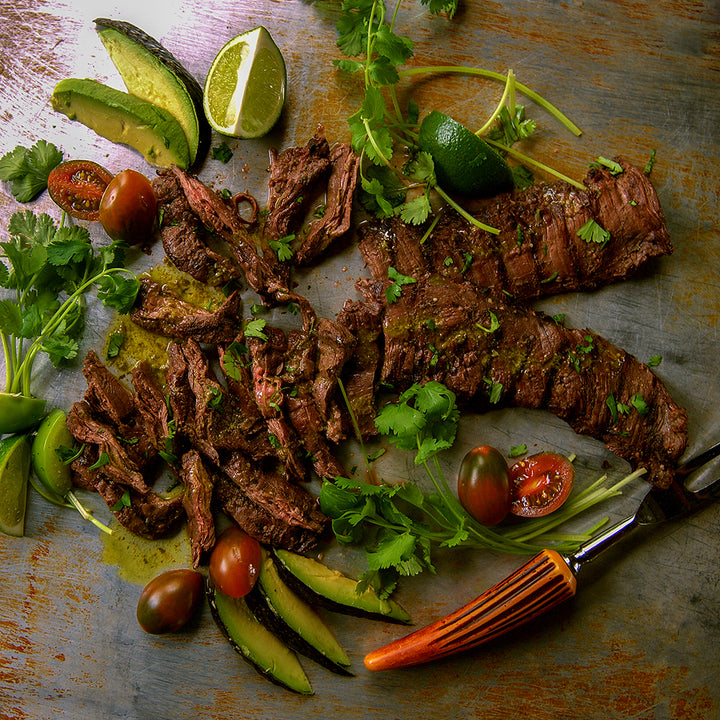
pixel 540 484
pixel 169 600
pixel 77 186
pixel 128 208
pixel 484 485
pixel 235 562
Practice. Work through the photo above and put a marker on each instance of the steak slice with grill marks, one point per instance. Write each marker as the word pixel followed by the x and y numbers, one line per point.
pixel 183 235
pixel 197 502
pixel 538 251
pixel 160 311
pixel 444 331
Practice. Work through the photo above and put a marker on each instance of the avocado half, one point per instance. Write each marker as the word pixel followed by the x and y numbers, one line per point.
pixel 124 118
pixel 152 73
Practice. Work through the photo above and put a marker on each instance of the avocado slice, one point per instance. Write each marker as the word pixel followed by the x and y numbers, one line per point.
pixel 333 590
pixel 255 643
pixel 288 616
pixel 153 73
pixel 124 118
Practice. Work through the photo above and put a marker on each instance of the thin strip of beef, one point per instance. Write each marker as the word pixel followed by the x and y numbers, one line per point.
pixel 285 501
pixel 538 250
pixel 120 458
pixel 444 331
pixel 335 347
pixel 294 173
pixel 197 502
pixel 337 216
pixel 301 402
pixel 105 394
pixel 361 373
pixel 220 419
pixel 264 274
pixel 160 311
pixel 257 522
pixel 147 514
pixel 182 235
pixel 268 364
pixel 150 406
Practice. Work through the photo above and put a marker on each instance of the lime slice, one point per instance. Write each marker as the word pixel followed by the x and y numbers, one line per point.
pixel 245 89
pixel 464 163
pixel 54 474
pixel 14 473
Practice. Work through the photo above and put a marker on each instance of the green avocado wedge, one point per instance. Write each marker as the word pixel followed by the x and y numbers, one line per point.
pixel 255 643
pixel 124 118
pixel 320 585
pixel 289 617
pixel 153 73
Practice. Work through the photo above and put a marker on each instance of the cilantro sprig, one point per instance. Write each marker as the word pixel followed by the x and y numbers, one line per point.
pixel 27 169
pixel 400 525
pixel 49 270
pixel 374 50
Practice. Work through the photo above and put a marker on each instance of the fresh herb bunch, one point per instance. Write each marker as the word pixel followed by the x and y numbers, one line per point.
pixel 367 37
pixel 51 268
pixel 399 525
pixel 27 169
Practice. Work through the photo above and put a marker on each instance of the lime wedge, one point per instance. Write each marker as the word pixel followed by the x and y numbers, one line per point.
pixel 244 91
pixel 14 473
pixel 54 474
pixel 464 163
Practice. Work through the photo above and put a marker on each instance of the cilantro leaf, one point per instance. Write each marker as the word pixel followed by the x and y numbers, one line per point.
pixel 282 247
pixel 254 328
pixel 394 290
pixel 592 231
pixel 27 169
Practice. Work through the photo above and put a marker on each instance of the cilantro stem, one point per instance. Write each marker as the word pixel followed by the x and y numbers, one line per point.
pixel 530 161
pixel 491 74
pixel 509 85
pixel 464 213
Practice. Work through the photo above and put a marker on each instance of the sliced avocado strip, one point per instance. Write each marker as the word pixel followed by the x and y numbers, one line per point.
pixel 153 73
pixel 288 616
pixel 256 644
pixel 335 591
pixel 124 118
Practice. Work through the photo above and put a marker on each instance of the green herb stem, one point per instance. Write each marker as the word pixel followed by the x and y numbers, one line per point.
pixel 500 77
pixel 464 213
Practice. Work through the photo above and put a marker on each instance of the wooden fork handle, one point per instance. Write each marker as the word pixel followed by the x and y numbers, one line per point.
pixel 540 584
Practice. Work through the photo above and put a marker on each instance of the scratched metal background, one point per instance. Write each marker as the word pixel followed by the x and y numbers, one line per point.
pixel 641 639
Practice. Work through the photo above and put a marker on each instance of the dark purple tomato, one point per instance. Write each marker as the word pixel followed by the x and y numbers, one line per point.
pixel 128 208
pixel 484 486
pixel 235 562
pixel 168 601
pixel 77 186
pixel 540 484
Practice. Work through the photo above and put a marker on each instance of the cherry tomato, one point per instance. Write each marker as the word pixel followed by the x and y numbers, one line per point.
pixel 77 186
pixel 484 485
pixel 128 208
pixel 235 562
pixel 168 601
pixel 540 484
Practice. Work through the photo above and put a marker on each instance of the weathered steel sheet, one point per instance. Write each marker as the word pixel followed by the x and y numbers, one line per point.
pixel 641 639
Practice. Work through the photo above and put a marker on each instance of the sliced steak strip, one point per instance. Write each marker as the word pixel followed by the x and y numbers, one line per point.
pixel 538 251
pixel 164 313
pixel 294 173
pixel 105 394
pixel 197 502
pixel 150 406
pixel 257 522
pixel 182 235
pixel 337 216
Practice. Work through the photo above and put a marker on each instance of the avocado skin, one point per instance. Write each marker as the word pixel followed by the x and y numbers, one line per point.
pixel 123 118
pixel 337 592
pixel 134 35
pixel 283 616
pixel 250 639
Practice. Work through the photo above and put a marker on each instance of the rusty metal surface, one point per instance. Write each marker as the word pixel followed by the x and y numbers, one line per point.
pixel 641 639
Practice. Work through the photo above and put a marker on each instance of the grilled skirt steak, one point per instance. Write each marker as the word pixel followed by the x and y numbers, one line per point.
pixel 538 251
pixel 492 353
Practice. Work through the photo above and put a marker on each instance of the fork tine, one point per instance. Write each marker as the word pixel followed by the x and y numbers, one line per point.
pixel 698 461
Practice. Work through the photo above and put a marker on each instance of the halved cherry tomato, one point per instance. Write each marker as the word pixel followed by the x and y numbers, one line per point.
pixel 169 600
pixel 540 484
pixel 484 485
pixel 235 562
pixel 128 208
pixel 77 187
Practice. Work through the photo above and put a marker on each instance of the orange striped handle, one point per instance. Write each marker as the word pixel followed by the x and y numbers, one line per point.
pixel 540 584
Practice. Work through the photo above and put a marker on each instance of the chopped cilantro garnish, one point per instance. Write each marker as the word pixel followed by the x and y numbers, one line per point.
pixel 592 231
